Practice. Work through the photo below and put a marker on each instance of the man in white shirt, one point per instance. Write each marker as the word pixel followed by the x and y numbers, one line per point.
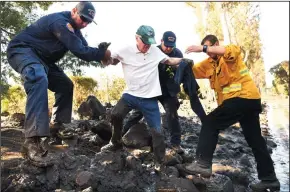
pixel 140 66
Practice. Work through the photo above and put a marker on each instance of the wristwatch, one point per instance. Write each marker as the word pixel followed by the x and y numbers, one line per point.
pixel 204 48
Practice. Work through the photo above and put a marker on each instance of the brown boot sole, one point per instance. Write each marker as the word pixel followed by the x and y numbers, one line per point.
pixel 25 155
pixel 112 149
pixel 270 189
pixel 206 175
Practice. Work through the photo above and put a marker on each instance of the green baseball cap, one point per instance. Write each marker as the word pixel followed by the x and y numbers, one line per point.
pixel 147 34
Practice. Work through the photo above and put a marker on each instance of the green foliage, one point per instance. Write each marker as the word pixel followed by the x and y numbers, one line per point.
pixel 182 94
pixel 83 87
pixel 4 86
pixel 242 21
pixel 14 17
pixel 281 77
pixel 14 101
pixel 213 20
pixel 116 88
pixel 74 64
pixel 4 105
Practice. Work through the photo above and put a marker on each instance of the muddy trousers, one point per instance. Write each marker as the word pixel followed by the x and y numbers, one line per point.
pixel 148 107
pixel 246 112
pixel 36 83
pixel 170 105
pixel 38 77
pixel 150 110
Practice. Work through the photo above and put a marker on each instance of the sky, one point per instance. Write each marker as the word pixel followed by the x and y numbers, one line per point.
pixel 118 22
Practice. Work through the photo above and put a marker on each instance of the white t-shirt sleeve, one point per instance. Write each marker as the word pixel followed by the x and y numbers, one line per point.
pixel 118 53
pixel 162 57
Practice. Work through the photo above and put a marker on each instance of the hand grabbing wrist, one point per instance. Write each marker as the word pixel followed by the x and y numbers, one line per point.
pixel 104 45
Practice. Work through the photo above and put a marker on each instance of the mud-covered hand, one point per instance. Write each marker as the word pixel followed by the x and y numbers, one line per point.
pixel 107 60
pixel 189 62
pixel 104 45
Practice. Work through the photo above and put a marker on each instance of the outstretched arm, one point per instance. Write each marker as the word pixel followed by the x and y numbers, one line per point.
pixel 172 61
pixel 219 50
pixel 111 61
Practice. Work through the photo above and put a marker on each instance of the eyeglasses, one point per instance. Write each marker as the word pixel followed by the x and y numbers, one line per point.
pixel 84 19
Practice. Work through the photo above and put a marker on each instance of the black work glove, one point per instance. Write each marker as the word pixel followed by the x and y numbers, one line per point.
pixel 189 62
pixel 104 45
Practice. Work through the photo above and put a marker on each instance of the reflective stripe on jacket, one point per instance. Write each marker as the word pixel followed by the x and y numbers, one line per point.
pixel 229 76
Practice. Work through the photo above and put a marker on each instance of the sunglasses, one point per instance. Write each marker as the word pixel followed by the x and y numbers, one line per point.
pixel 84 19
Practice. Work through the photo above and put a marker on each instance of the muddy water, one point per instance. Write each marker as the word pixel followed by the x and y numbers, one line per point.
pixel 278 122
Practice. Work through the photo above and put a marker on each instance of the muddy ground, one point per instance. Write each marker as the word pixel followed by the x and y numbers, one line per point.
pixel 82 167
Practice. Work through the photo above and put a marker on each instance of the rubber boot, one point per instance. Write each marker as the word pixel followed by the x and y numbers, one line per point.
pixel 33 150
pixel 266 185
pixel 115 142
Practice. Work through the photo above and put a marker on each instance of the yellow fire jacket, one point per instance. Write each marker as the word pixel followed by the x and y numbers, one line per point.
pixel 229 76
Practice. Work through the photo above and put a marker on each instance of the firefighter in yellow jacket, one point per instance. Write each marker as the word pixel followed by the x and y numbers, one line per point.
pixel 238 100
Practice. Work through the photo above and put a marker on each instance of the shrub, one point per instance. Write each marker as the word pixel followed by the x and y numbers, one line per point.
pixel 83 87
pixel 14 101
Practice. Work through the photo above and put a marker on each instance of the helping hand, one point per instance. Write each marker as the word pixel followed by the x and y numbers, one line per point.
pixel 189 62
pixel 104 45
pixel 193 48
pixel 107 60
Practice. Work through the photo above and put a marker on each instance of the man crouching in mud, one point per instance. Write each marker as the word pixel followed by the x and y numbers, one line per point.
pixel 140 66
pixel 238 100
pixel 33 53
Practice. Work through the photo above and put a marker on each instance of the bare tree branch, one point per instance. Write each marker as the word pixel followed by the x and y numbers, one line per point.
pixel 6 31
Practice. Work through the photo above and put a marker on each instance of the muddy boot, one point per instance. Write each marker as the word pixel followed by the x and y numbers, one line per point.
pixel 33 150
pixel 196 168
pixel 177 148
pixel 158 145
pixel 266 186
pixel 58 132
pixel 115 142
pixel 112 146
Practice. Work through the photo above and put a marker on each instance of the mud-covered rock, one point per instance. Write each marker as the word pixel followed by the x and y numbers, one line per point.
pixel 103 129
pixel 219 183
pixel 84 126
pixel 82 167
pixel 84 179
pixel 137 136
pixel 96 106
pixel 91 108
pixel 176 184
pixel 172 158
pixel 17 119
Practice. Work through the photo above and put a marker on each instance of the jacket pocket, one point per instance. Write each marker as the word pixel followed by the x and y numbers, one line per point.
pixel 223 75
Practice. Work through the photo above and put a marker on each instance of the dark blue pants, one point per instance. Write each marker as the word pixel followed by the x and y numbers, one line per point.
pixel 37 79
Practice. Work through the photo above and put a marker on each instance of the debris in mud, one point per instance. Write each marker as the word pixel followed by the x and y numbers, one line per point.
pixel 80 165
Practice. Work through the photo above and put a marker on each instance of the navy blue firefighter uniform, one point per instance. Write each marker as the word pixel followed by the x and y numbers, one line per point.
pixel 34 53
